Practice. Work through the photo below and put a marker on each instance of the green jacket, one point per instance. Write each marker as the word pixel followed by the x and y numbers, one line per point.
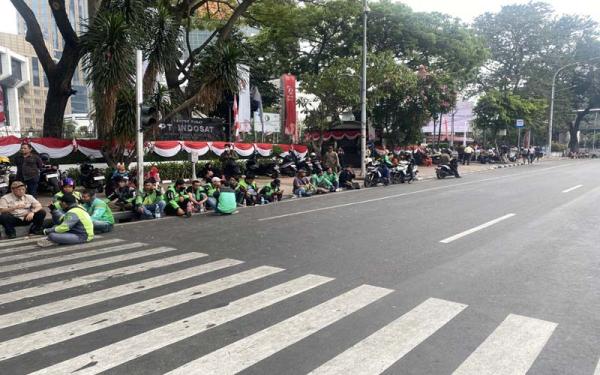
pixel 320 181
pixel 331 177
pixel 99 211
pixel 173 196
pixel 210 189
pixel 60 194
pixel 76 221
pixel 269 190
pixel 245 186
pixel 198 194
pixel 147 199
pixel 226 202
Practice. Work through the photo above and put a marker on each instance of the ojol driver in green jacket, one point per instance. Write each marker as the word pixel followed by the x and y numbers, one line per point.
pixel 76 225
pixel 99 211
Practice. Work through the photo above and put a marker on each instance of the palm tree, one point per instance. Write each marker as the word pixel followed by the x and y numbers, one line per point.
pixel 109 61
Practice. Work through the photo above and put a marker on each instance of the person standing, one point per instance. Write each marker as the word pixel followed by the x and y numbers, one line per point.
pixel 467 155
pixel 20 209
pixel 331 159
pixel 340 152
pixel 29 166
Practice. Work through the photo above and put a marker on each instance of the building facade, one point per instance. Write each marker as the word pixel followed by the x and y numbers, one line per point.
pixel 77 10
pixel 14 76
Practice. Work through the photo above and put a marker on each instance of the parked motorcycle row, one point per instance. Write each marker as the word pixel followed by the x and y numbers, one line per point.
pixel 288 165
pixel 405 172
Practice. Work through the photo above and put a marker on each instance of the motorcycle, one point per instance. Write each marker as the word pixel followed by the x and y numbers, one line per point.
pixel 91 178
pixel 406 171
pixel 287 166
pixel 443 171
pixel 374 175
pixel 6 177
pixel 49 176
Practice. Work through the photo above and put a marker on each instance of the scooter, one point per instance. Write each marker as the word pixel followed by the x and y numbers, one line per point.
pixel 287 166
pixel 91 178
pixel 406 171
pixel 443 171
pixel 49 176
pixel 374 175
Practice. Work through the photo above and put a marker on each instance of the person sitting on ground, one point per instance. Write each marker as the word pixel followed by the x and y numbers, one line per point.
pixel 322 184
pixel 20 209
pixel 123 197
pixel 247 191
pixel 177 199
pixel 226 200
pixel 332 177
pixel 210 189
pixel 101 214
pixel 68 187
pixel 272 192
pixel 302 185
pixel 197 196
pixel 150 203
pixel 76 225
pixel 346 179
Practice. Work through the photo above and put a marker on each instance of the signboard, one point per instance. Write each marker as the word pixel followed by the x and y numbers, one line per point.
pixel 272 122
pixel 195 129
pixel 520 123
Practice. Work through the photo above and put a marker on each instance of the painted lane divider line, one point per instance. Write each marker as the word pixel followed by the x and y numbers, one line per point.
pixel 571 189
pixel 476 229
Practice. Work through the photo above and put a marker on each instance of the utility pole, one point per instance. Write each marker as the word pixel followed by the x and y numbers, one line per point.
pixel 138 119
pixel 363 96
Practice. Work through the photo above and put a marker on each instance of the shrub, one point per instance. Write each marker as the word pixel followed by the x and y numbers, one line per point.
pixel 558 147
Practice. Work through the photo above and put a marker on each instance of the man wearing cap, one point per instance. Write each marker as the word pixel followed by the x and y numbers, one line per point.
pixel 177 199
pixel 20 209
pixel 76 225
pixel 68 187
pixel 150 204
pixel 210 190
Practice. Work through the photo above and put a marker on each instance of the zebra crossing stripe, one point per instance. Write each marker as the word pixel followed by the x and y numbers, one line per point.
pixel 597 372
pixel 20 249
pixel 510 349
pixel 83 265
pixel 123 351
pixel 20 241
pixel 37 312
pixel 40 339
pixel 53 261
pixel 382 349
pixel 58 252
pixel 244 353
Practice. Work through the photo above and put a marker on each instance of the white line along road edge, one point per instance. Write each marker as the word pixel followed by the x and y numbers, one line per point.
pixel 476 229
pixel 571 189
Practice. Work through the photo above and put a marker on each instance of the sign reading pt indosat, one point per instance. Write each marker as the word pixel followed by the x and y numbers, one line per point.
pixel 195 129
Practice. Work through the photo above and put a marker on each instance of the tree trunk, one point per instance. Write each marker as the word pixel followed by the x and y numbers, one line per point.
pixel 59 92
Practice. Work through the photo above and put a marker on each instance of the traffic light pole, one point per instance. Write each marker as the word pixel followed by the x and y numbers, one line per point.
pixel 138 119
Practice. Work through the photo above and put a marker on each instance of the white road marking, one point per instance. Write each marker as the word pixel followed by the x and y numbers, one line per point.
pixel 123 351
pixel 53 261
pixel 50 336
pixel 93 297
pixel 244 353
pixel 477 228
pixel 83 265
pixel 21 248
pixel 597 372
pixel 444 187
pixel 20 241
pixel 510 349
pixel 60 250
pixel 382 349
pixel 571 189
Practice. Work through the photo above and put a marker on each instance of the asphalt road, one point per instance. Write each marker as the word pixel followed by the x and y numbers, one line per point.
pixel 494 273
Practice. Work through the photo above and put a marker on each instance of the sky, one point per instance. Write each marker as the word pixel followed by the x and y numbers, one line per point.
pixel 463 9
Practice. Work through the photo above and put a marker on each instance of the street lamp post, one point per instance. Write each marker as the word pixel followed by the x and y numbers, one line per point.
pixel 363 95
pixel 550 122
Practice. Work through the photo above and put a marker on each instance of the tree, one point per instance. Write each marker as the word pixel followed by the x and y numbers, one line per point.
pixel 59 73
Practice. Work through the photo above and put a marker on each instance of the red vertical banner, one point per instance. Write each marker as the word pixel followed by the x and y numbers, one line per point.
pixel 2 115
pixel 289 96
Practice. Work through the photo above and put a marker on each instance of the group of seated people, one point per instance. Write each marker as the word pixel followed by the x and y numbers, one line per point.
pixel 76 216
pixel 324 182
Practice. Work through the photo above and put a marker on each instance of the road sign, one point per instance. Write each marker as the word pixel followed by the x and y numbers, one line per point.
pixel 520 123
